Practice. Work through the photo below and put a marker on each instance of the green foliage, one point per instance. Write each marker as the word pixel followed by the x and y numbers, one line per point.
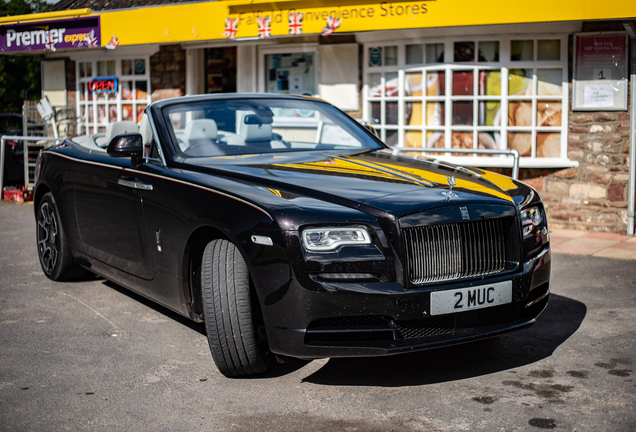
pixel 19 73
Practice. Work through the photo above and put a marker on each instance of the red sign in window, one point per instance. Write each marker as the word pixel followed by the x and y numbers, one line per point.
pixel 103 85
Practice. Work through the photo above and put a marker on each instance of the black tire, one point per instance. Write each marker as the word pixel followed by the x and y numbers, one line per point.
pixel 55 256
pixel 233 320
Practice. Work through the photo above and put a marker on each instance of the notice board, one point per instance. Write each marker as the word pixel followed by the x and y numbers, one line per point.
pixel 600 72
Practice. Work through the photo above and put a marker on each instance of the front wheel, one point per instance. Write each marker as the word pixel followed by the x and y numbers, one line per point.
pixel 234 325
pixel 55 256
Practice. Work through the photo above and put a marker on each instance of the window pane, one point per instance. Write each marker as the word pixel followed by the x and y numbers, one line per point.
pixel 126 67
pixel 519 113
pixel 390 55
pixel 489 113
pixel 462 83
pixel 140 66
pixel 112 113
pixel 413 113
pixel 127 112
pixel 489 51
pixel 101 68
pixel 375 56
pixel 102 114
pixel 82 92
pixel 490 83
pixel 435 83
pixel 413 139
pixel 126 90
pixel 462 140
pixel 435 53
pixel 520 141
pixel 82 70
pixel 413 84
pixel 391 84
pixel 548 113
pixel 463 113
pixel 436 140
pixel 89 69
pixel 520 82
pixel 391 113
pixel 522 50
pixel 375 85
pixel 549 82
pixel 376 113
pixel 464 52
pixel 414 54
pixel 549 49
pixel 111 68
pixel 548 145
pixel 140 112
pixel 391 138
pixel 141 90
pixel 435 113
pixel 488 140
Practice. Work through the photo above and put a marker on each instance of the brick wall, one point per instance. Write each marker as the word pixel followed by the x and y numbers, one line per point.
pixel 168 72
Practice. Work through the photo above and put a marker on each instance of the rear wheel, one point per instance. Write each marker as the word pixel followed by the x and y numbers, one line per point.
pixel 233 320
pixel 55 256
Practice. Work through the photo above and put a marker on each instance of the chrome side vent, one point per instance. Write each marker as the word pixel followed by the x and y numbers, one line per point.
pixel 458 251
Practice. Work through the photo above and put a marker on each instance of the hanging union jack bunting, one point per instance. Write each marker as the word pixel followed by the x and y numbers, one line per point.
pixel 48 41
pixel 332 24
pixel 112 43
pixel 264 27
pixel 91 40
pixel 231 28
pixel 295 23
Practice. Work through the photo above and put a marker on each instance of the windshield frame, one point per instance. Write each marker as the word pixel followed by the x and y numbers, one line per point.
pixel 368 142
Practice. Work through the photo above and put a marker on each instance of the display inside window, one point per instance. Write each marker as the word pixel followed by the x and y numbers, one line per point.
pixel 220 72
pixel 290 73
pixel 478 101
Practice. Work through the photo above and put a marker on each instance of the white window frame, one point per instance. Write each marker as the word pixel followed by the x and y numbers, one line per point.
pixel 83 125
pixel 504 65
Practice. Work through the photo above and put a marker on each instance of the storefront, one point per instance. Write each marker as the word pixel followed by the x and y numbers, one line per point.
pixel 451 74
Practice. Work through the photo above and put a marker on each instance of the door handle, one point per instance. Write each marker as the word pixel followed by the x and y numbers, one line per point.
pixel 135 184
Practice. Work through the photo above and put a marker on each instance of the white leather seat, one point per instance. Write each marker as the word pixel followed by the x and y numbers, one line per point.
pixel 201 129
pixel 118 128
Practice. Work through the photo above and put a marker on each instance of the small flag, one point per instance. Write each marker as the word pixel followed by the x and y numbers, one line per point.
pixel 295 23
pixel 332 24
pixel 112 43
pixel 264 27
pixel 231 28
pixel 91 40
pixel 48 41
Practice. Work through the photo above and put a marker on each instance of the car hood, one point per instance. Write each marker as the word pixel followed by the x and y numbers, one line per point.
pixel 399 185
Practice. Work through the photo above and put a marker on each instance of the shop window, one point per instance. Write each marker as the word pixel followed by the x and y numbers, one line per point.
pixel 480 100
pixel 220 73
pixel 96 110
pixel 291 73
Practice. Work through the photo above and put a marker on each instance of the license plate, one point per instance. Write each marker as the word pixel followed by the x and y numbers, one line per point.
pixel 466 299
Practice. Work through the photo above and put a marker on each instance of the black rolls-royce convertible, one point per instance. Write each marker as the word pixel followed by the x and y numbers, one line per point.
pixel 291 231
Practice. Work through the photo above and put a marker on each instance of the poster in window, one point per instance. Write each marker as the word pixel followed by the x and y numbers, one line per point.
pixel 600 72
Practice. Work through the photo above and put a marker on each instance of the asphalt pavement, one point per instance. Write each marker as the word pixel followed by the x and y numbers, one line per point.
pixel 92 356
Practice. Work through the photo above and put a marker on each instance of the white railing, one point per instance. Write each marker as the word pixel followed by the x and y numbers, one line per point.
pixel 27 165
pixel 512 153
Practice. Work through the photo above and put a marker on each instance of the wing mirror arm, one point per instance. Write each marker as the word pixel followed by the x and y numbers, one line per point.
pixel 127 145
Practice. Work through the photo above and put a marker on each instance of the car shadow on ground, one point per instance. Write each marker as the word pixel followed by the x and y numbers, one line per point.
pixel 560 320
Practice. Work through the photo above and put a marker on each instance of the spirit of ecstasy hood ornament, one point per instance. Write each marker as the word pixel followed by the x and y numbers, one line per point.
pixel 449 193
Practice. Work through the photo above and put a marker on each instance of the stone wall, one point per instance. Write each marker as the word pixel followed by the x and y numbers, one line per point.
pixel 168 72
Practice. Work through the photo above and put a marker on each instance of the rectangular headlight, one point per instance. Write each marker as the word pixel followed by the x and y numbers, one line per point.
pixel 331 238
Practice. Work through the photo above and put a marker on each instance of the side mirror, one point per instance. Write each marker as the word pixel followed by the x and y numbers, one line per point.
pixel 127 145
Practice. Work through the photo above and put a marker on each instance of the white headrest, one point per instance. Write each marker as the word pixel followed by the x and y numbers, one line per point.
pixel 145 130
pixel 200 129
pixel 254 132
pixel 118 128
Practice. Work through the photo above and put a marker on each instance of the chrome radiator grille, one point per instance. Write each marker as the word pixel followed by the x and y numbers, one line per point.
pixel 456 251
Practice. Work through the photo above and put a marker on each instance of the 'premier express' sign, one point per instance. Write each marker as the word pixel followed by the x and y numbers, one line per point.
pixel 51 35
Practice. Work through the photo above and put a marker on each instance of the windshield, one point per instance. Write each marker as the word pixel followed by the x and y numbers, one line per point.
pixel 232 127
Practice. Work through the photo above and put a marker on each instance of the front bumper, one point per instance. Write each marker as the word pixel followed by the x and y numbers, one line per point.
pixel 384 318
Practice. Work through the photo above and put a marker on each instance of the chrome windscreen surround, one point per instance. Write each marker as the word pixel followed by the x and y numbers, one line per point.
pixel 455 251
